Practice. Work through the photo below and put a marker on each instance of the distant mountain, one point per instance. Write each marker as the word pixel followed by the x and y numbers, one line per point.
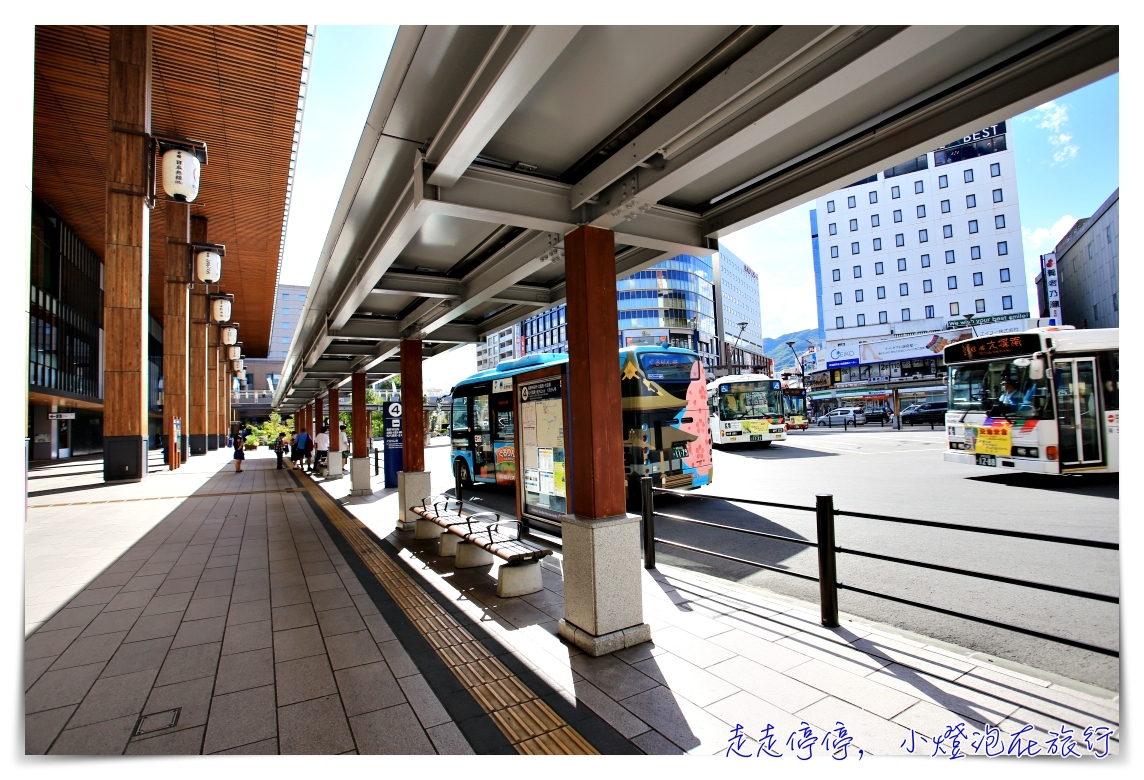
pixel 778 350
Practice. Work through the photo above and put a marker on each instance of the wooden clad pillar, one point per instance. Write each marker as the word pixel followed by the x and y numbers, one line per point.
pixel 412 427
pixel 335 465
pixel 197 351
pixel 126 254
pixel 212 386
pixel 361 425
pixel 318 413
pixel 603 602
pixel 176 325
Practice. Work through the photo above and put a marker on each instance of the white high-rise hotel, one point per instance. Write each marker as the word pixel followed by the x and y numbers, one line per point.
pixel 922 245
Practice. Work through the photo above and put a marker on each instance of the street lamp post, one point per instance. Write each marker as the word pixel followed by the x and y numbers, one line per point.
pixel 798 360
pixel 742 327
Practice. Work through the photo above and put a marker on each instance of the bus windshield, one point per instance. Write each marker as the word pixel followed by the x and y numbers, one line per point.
pixel 1002 388
pixel 795 403
pixel 749 400
pixel 671 372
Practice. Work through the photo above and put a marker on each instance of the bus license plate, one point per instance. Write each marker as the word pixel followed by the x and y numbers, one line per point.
pixel 986 460
pixel 679 451
pixel 756 438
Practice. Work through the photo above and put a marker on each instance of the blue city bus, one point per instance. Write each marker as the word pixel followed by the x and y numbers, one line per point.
pixel 518 408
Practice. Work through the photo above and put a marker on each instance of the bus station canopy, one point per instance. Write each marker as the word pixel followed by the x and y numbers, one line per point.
pixel 484 146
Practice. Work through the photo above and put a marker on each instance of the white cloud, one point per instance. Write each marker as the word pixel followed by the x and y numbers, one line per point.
pixel 1054 117
pixel 1038 241
pixel 1067 153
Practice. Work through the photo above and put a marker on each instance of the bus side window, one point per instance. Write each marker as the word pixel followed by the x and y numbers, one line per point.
pixel 460 413
pixel 1110 379
pixel 502 409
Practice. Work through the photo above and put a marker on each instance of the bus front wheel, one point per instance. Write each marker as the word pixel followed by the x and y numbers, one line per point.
pixel 461 468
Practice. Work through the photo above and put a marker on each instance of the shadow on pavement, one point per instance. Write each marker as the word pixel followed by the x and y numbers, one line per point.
pixel 1095 485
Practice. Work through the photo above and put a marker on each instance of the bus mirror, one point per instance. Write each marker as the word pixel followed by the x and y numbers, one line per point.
pixel 1037 368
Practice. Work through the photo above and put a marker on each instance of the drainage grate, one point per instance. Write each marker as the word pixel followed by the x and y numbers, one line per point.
pixel 157 721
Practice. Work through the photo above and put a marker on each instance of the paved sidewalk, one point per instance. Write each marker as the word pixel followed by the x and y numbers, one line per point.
pixel 232 625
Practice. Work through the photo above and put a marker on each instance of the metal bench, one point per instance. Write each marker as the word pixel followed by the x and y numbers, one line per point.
pixel 477 538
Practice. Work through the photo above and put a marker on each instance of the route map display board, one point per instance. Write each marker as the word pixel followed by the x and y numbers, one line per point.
pixel 542 448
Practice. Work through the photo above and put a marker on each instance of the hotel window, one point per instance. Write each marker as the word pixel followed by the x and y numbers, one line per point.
pixel 951 282
pixel 850 202
pixel 954 310
pixel 927 285
pixel 919 187
pixel 949 258
pixel 285 296
pixel 1004 274
pixel 861 319
pixel 875 221
pixel 905 315
pixel 945 207
pixel 830 207
pixel 923 236
pixel 832 228
pixel 979 305
pixel 942 181
pixel 836 274
pixel 973 226
pixel 881 292
pixel 286 341
pixel 834 251
pixel 903 289
pixel 883 318
pixel 877 244
pixel 999 221
pixel 837 299
pixel 971 201
pixel 859 296
pixel 854 248
pixel 998 196
pixel 853 225
pixel 925 261
pixel 921 211
pixel 947 231
pixel 901 263
pixel 1002 247
pixel 878 269
pixel 838 322
pixel 978 279
pixel 857 272
pixel 968 175
pixel 995 169
pixel 900 239
pixel 1006 301
pixel 895 193
pixel 974 253
pixel 929 312
pixel 897 215
pixel 873 196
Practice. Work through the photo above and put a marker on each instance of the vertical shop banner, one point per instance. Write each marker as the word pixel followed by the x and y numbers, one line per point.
pixel 393 446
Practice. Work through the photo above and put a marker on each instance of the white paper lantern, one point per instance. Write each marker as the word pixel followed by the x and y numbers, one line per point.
pixel 208 266
pixel 181 174
pixel 229 336
pixel 234 352
pixel 220 309
pixel 237 365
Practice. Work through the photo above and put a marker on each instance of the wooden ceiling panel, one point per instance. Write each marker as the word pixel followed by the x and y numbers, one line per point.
pixel 236 88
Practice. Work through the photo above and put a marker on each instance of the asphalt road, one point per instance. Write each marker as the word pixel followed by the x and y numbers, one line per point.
pixel 901 473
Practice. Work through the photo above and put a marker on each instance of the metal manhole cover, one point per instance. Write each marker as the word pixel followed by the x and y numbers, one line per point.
pixel 157 721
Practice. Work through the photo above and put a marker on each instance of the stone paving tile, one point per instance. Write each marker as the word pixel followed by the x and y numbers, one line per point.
pixel 314 727
pixel 931 720
pixel 242 718
pixel 392 731
pixel 754 715
pixel 424 703
pixel 966 702
pixel 700 652
pixel 108 737
pixel 612 676
pixel 199 632
pixel 247 636
pixel 184 742
pixel 689 726
pixel 609 709
pixel 655 744
pixel 304 678
pixel 759 649
pixel 192 696
pixel 239 671
pixel 89 650
pixel 767 684
pixel 352 649
pixel 686 680
pixel 368 688
pixel 187 663
pixel 865 692
pixel 340 621
pixel 449 741
pixel 871 733
pixel 114 697
pixel 59 689
pixel 155 626
pixel 293 616
pixel 42 728
pixel 138 656
pixel 248 612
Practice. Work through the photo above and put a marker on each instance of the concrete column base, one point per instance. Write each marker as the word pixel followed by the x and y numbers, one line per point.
pixel 603 594
pixel 335 463
pixel 124 458
pixel 198 443
pixel 469 556
pixel 426 529
pixel 412 488
pixel 447 545
pixel 596 646
pixel 359 477
pixel 519 580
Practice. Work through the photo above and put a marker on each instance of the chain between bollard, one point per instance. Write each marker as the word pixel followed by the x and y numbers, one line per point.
pixel 648 506
pixel 827 570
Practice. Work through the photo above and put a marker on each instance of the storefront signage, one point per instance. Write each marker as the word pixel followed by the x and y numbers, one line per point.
pixel 659 337
pixel 966 322
pixel 820 381
pixel 1052 288
pixel 980 135
pixel 841 363
pixel 924 346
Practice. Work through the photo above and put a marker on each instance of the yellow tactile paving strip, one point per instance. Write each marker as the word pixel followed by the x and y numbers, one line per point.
pixel 529 724
pixel 163 498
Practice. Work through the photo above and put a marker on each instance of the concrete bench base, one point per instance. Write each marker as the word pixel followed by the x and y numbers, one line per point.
pixel 519 579
pixel 447 545
pixel 470 556
pixel 427 529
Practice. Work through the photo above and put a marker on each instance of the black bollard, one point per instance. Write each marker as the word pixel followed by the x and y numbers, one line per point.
pixel 827 571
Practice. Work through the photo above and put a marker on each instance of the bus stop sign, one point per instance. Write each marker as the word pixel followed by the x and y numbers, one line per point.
pixel 393 450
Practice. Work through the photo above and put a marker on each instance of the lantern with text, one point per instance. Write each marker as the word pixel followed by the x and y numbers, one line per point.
pixel 230 334
pixel 208 262
pixel 234 351
pixel 221 306
pixel 238 365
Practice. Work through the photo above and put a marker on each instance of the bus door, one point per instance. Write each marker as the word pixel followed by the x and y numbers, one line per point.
pixel 1078 412
pixel 484 454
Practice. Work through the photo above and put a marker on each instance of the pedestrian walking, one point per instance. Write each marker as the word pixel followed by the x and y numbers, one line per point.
pixel 344 445
pixel 295 451
pixel 239 455
pixel 322 450
pixel 308 448
pixel 280 447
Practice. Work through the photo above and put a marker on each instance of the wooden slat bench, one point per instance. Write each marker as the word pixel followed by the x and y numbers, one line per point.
pixel 476 538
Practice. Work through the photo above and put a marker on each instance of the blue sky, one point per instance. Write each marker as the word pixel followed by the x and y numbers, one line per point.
pixel 1067 152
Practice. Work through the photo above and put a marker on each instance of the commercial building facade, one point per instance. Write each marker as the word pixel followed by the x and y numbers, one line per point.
pixel 1086 268
pixel 738 301
pixel 502 345
pixel 911 259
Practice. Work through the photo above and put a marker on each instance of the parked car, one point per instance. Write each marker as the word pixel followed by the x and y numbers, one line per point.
pixel 878 414
pixel 843 417
pixel 922 414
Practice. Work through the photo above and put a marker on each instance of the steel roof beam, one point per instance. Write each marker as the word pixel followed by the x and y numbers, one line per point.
pixel 519 56
pixel 400 283
pixel 374 329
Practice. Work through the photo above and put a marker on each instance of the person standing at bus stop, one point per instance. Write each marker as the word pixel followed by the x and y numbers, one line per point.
pixel 280 447
pixel 344 446
pixel 304 443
